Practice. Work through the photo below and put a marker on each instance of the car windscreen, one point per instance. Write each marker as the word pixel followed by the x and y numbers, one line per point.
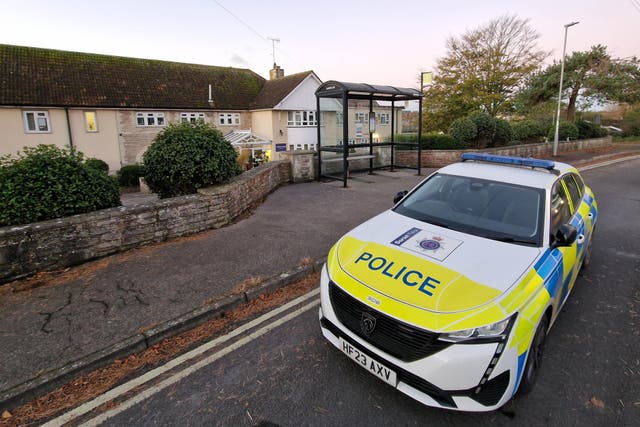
pixel 491 209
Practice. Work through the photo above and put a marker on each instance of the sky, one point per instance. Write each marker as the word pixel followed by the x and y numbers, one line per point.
pixel 378 42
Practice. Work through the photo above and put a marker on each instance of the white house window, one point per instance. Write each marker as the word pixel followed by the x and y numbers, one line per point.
pixel 339 118
pixel 228 119
pixel 90 121
pixel 304 146
pixel 150 118
pixel 383 118
pixel 301 118
pixel 36 122
pixel 191 117
pixel 362 117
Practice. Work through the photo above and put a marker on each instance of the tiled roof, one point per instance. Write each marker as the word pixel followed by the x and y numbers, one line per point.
pixel 275 91
pixel 44 77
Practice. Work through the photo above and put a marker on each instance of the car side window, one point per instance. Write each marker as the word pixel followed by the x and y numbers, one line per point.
pixel 574 191
pixel 579 181
pixel 560 211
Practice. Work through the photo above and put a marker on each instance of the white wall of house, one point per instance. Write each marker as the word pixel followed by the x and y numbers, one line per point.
pixel 14 136
pixel 303 97
pixel 101 143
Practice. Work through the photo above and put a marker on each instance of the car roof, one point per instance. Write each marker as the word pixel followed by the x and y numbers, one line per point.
pixel 519 175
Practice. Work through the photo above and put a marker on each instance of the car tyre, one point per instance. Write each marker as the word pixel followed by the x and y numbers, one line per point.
pixel 587 256
pixel 534 359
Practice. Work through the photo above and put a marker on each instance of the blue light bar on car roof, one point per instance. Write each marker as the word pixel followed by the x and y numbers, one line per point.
pixel 509 160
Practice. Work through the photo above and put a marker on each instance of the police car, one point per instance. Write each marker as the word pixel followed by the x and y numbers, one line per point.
pixel 449 295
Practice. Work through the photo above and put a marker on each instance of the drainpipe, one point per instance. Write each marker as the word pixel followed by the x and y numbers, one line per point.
pixel 66 111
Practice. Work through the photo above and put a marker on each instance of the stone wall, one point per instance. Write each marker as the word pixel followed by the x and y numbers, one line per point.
pixel 60 243
pixel 303 164
pixel 440 158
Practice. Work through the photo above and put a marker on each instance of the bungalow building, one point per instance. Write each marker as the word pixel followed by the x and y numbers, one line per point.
pixel 112 107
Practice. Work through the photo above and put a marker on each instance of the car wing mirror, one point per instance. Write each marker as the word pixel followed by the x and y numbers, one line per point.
pixel 565 236
pixel 399 196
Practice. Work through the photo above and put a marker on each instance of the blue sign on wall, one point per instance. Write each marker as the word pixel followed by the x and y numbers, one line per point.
pixel 281 147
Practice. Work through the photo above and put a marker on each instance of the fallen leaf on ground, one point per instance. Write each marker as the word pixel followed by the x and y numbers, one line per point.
pixel 6 415
pixel 597 402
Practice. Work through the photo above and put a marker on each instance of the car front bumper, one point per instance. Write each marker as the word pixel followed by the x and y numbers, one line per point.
pixel 465 377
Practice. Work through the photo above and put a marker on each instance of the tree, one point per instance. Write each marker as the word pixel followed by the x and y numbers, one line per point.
pixel 482 70
pixel 589 77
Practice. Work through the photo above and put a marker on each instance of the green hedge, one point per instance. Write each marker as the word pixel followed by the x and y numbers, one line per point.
pixel 129 176
pixel 485 129
pixel 185 157
pixel 588 130
pixel 47 182
pixel 98 164
pixel 503 134
pixel 430 141
pixel 464 130
pixel 528 131
pixel 566 130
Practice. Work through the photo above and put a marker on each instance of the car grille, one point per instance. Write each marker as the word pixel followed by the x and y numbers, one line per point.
pixel 400 340
pixel 420 384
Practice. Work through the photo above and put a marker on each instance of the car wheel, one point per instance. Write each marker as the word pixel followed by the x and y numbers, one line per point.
pixel 587 256
pixel 534 359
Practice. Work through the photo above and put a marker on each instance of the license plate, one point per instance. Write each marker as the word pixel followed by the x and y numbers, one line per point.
pixel 371 365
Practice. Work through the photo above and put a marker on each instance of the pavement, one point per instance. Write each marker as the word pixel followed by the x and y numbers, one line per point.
pixel 54 326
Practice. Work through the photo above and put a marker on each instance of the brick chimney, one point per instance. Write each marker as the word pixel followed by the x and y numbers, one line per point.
pixel 276 72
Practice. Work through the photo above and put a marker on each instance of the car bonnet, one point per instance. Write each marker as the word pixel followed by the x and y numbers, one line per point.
pixel 429 267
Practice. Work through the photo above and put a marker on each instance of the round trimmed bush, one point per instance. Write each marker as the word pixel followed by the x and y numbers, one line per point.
pixel 566 130
pixel 463 130
pixel 528 131
pixel 97 164
pixel 485 127
pixel 129 176
pixel 185 157
pixel 47 182
pixel 503 134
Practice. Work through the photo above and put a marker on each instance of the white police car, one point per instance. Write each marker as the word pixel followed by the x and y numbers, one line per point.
pixel 449 295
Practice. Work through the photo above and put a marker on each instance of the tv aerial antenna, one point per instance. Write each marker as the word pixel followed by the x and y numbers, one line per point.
pixel 273 47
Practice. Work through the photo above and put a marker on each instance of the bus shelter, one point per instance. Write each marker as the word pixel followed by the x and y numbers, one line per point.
pixel 347 133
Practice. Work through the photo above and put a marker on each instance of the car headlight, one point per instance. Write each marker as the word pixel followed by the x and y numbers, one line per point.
pixel 490 332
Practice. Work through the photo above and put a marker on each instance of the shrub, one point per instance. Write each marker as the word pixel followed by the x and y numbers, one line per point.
pixel 463 130
pixel 185 157
pixel 566 130
pixel 430 141
pixel 442 141
pixel 47 182
pixel 503 134
pixel 98 164
pixel 129 175
pixel 528 131
pixel 631 122
pixel 405 137
pixel 588 130
pixel 485 127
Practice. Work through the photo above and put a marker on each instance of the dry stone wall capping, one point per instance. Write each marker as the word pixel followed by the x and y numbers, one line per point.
pixel 63 242
pixel 440 158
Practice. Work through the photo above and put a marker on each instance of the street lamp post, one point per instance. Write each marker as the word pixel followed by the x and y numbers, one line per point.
pixel 564 48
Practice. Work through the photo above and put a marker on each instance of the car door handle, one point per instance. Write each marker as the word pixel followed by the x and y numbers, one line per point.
pixel 580 239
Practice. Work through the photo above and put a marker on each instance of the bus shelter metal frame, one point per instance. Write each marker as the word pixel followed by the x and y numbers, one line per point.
pixel 362 91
